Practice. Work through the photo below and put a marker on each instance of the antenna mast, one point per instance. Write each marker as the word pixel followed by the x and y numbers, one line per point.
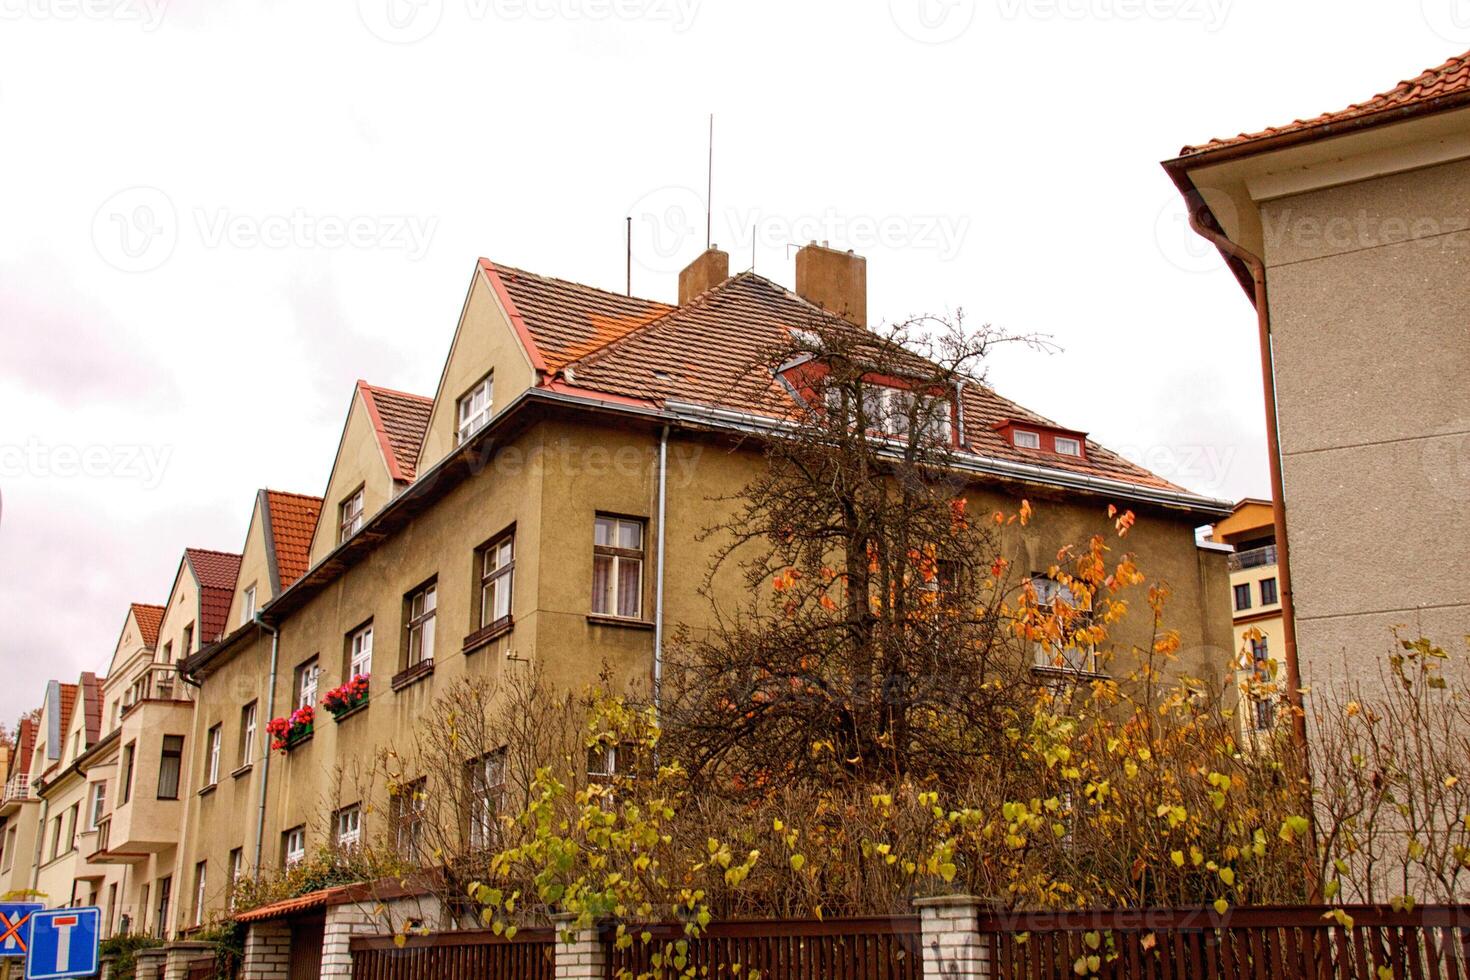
pixel 629 238
pixel 709 190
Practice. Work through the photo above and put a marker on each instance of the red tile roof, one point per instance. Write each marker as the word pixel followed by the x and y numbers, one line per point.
pixel 1449 79
pixel 567 319
pixel 149 618
pixel 293 518
pixel 704 353
pixel 26 745
pixel 68 702
pixel 400 420
pixel 216 572
pixel 92 706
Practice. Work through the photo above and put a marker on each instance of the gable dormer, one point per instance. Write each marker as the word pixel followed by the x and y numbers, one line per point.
pixel 377 458
pixel 491 360
pixel 276 553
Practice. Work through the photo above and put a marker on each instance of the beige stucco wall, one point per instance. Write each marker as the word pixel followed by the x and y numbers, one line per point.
pixel 1370 308
pixel 181 611
pixel 18 861
pixel 359 463
pixel 483 340
pixel 254 566
pixel 549 483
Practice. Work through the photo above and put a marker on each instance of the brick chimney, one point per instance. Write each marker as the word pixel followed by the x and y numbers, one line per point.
pixel 705 272
pixel 835 281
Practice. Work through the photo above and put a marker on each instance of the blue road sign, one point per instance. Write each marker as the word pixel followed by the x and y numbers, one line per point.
pixel 15 926
pixel 64 943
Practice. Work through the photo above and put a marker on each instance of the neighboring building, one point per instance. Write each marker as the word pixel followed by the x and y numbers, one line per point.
pixel 1255 601
pixel 68 800
pixel 20 814
pixel 514 519
pixel 1349 232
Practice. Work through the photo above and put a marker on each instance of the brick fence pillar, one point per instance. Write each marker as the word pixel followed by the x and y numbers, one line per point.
pixel 953 946
pixel 267 951
pixel 343 922
pixel 580 955
pixel 180 955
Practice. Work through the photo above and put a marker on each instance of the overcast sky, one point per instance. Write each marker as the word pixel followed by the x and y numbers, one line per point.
pixel 215 217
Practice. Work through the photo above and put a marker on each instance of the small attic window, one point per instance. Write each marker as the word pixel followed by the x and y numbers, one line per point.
pixel 1025 439
pixel 1068 447
pixel 662 375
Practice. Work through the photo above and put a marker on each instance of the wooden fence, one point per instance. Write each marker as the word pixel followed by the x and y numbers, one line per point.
pixel 1261 943
pixel 780 949
pixel 455 955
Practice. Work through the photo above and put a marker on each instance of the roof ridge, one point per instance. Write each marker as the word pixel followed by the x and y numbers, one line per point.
pixel 700 299
pixel 292 493
pixel 212 551
pixel 572 282
pixel 379 389
pixel 146 605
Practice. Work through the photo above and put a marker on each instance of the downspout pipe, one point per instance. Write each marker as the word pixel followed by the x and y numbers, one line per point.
pixel 1257 269
pixel 265 750
pixel 658 587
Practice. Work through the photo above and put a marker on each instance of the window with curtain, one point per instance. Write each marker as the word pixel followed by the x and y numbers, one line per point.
pixel 170 763
pixel 617 567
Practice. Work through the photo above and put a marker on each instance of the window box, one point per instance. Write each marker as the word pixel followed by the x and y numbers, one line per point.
pixel 347 699
pixel 413 674
pixel 490 633
pixel 287 733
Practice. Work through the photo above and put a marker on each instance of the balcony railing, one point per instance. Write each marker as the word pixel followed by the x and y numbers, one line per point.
pixel 17 788
pixel 161 682
pixel 104 836
pixel 1255 558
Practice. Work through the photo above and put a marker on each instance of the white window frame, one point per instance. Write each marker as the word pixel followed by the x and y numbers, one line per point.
pixel 619 555
pixel 216 744
pixel 487 796
pixel 347 827
pixel 98 804
pixel 360 652
pixel 1067 446
pixel 295 846
pixel 201 871
pixel 497 579
pixel 247 732
pixel 1047 590
pixel 350 515
pixel 308 677
pixel 472 409
pixel 1025 439
pixel 247 604
pixel 408 812
pixel 423 606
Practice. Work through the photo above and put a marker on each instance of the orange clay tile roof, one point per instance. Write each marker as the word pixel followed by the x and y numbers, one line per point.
pixel 92 706
pixel 291 906
pixel 293 518
pixel 1450 78
pixel 216 572
pixel 27 742
pixel 706 352
pixel 569 320
pixel 68 702
pixel 400 420
pixel 148 617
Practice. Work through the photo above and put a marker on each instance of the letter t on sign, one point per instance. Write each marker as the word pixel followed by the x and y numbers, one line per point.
pixel 64 925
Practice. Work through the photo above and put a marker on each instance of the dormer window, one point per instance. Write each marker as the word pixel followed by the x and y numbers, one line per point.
pixel 1025 439
pixel 1068 447
pixel 474 409
pixel 1037 437
pixel 888 410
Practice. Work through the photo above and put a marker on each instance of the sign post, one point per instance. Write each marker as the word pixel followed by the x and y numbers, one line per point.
pixel 15 927
pixel 64 943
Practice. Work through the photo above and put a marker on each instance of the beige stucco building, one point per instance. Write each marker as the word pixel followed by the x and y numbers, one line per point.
pixel 544 508
pixel 1255 605
pixel 1350 233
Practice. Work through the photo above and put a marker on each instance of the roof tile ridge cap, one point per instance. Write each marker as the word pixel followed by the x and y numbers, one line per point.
pixel 703 298
pixel 380 390
pixel 516 270
pixel 213 551
pixel 293 493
